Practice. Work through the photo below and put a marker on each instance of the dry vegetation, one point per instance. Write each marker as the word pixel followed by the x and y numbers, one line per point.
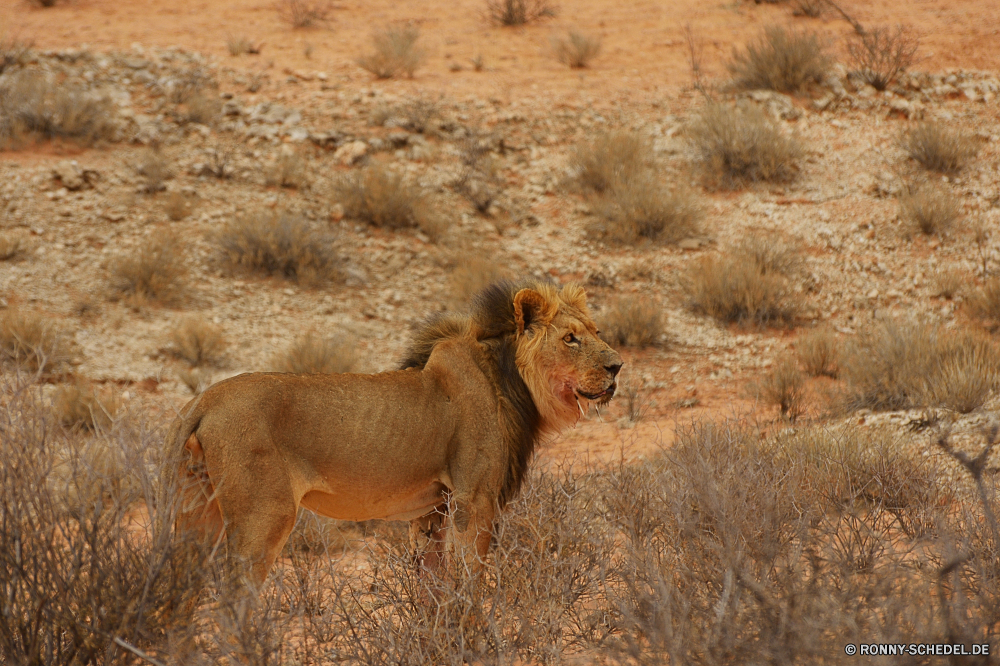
pixel 879 54
pixel 153 272
pixel 197 341
pixel 31 341
pixel 577 49
pixel 34 106
pixel 11 247
pixel 178 205
pixel 938 147
pixel 152 167
pixel 396 53
pixel 304 13
pixel 784 387
pixel 819 352
pixel 81 405
pixel 472 274
pixel 289 170
pixel 283 245
pixel 518 12
pixel 383 198
pixel 313 353
pixel 750 284
pixel 741 144
pixel 928 210
pixel 696 551
pixel 632 321
pixel 610 159
pixel 780 59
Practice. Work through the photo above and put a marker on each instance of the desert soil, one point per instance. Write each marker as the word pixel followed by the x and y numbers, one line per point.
pixel 305 94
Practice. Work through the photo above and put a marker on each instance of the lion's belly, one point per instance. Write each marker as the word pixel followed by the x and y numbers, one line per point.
pixel 372 503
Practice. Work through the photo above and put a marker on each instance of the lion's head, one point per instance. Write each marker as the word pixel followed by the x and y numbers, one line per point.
pixel 559 353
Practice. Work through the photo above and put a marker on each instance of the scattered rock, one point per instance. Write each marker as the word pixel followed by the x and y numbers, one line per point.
pixel 351 153
pixel 74 178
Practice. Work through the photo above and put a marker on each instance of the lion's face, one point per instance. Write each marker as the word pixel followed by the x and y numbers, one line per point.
pixel 560 355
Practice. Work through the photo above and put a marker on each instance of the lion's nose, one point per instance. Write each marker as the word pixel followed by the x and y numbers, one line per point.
pixel 613 369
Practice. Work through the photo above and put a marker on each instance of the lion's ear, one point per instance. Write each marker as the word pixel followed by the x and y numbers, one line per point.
pixel 530 309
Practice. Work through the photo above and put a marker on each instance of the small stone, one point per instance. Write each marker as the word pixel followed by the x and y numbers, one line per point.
pixel 871 295
pixel 689 244
pixel 350 153
pixel 336 212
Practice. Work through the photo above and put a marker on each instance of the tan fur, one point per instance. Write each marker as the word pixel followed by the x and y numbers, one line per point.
pixel 458 425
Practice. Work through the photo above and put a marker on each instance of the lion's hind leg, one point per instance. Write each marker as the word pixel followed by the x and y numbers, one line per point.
pixel 199 517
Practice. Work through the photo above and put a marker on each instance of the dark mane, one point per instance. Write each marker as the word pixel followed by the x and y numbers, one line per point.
pixel 491 321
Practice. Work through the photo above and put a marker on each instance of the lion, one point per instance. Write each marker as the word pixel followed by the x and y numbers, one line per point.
pixel 444 442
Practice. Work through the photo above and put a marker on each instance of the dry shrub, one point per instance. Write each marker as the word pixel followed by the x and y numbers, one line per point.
pixel 289 170
pixel 472 274
pixel 938 147
pixel 304 13
pixel 13 51
pixel 518 12
pixel 905 365
pixel 632 322
pixel 152 167
pixel 83 405
pixel 610 159
pixel 577 50
pixel 196 379
pixel 633 399
pixel 179 205
pixel 198 341
pixel 32 341
pixel 748 285
pixel 237 45
pixel 312 353
pixel 479 181
pixel 395 53
pixel 879 54
pixel 985 301
pixel 819 352
pixel 929 210
pixel 741 144
pixel 11 247
pixel 784 387
pixel 32 105
pixel 949 283
pixel 642 210
pixel 284 245
pixel 153 272
pixel 203 107
pixel 382 198
pixel 780 59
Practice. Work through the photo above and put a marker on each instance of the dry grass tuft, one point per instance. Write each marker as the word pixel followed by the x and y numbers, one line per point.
pixel 642 210
pixel 283 245
pixel 203 107
pixel 784 388
pixel 906 365
pixel 82 405
pixel 196 379
pixel 312 353
pixel 13 51
pixel 382 198
pixel 289 170
pixel 576 50
pixel 938 147
pixel 985 301
pixel 741 144
pixel 929 210
pixel 780 59
pixel 396 53
pixel 31 341
pixel 879 54
pixel 152 167
pixel 153 272
pixel 632 322
pixel 304 13
pixel 634 401
pixel 237 45
pixel 749 285
pixel 518 12
pixel 610 159
pixel 819 353
pixel 479 181
pixel 472 274
pixel 198 341
pixel 32 105
pixel 179 205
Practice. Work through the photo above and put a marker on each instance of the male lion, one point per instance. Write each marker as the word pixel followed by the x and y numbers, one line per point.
pixel 459 422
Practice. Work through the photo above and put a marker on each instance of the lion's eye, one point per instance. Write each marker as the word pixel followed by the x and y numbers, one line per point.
pixel 570 339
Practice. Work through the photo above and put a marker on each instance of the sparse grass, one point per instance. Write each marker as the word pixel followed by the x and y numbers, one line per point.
pixel 195 379
pixel 31 341
pixel 13 51
pixel 381 197
pixel 82 405
pixel 283 245
pixel 781 59
pixel 819 352
pixel 152 167
pixel 634 401
pixel 938 147
pixel 11 247
pixel 153 272
pixel 879 54
pixel 928 210
pixel 643 210
pixel 178 205
pixel 985 301
pixel 198 341
pixel 304 13
pixel 634 321
pixel 950 283
pixel 904 365
pixel 784 387
pixel 289 170
pixel 749 285
pixel 396 53
pixel 577 49
pixel 738 145
pixel 472 274
pixel 479 181
pixel 610 159
pixel 313 353
pixel 203 107
pixel 518 12
pixel 238 45
pixel 33 105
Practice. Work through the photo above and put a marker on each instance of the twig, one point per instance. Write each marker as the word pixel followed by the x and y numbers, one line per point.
pixel 976 467
pixel 137 652
pixel 858 28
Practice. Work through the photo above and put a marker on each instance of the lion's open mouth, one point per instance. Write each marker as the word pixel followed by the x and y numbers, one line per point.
pixel 602 397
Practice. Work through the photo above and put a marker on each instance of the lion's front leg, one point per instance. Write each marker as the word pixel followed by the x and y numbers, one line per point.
pixel 473 530
pixel 428 539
